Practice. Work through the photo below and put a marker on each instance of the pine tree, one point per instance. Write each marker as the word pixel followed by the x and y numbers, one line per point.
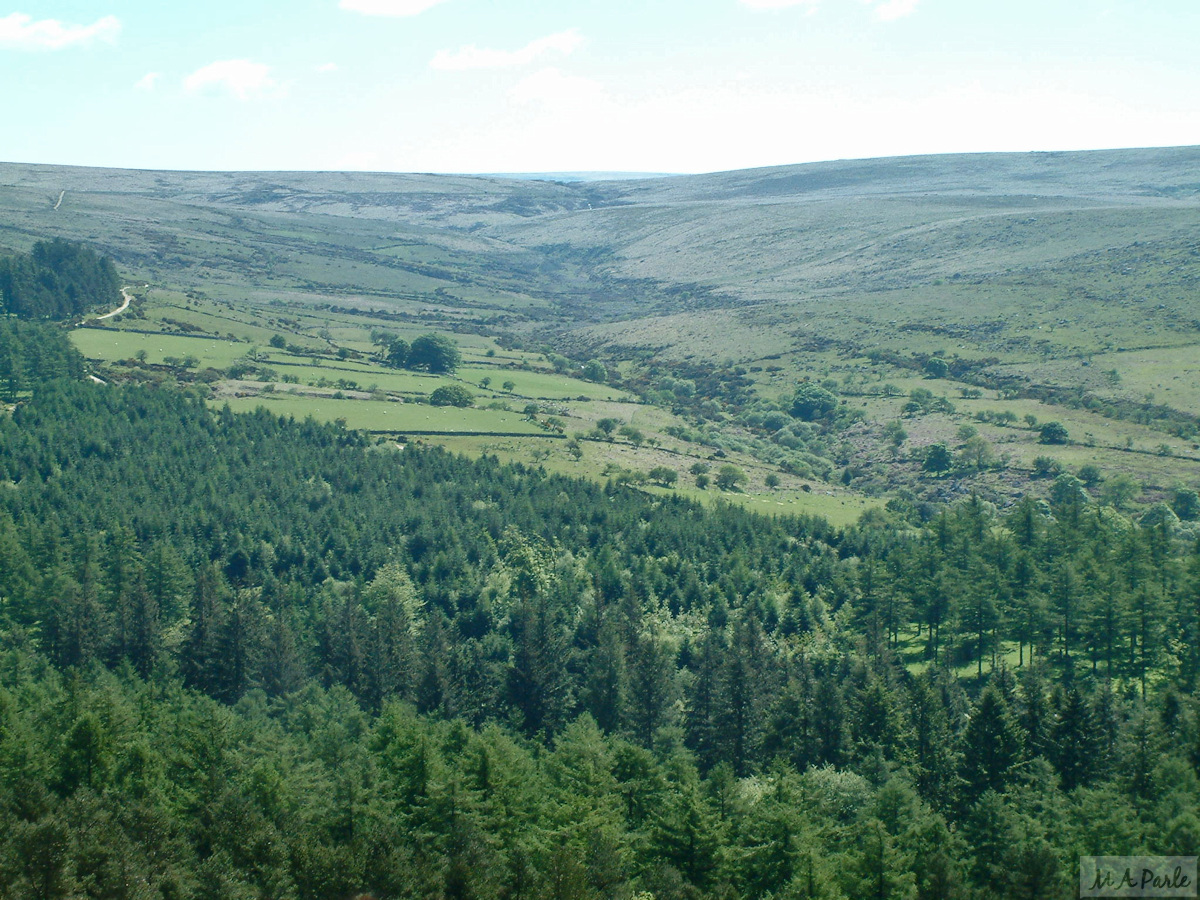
pixel 202 661
pixel 875 867
pixel 933 742
pixel 685 833
pixel 145 633
pixel 86 756
pixel 829 721
pixel 167 581
pixel 122 569
pixel 239 645
pixel 1065 595
pixel 870 607
pixel 992 746
pixel 433 688
pixel 43 855
pixel 538 686
pixel 745 685
pixel 283 668
pixel 392 606
pixel 1027 620
pixel 875 722
pixel 769 840
pixel 1147 615
pixel 1034 713
pixel 704 701
pixel 12 370
pixel 17 575
pixel 651 688
pixel 605 689
pixel 76 627
pixel 791 728
pixel 1075 749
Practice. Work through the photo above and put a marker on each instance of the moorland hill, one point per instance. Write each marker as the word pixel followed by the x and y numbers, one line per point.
pixel 775 235
pixel 1054 285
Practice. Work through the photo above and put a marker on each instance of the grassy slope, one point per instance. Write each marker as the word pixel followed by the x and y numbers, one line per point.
pixel 1059 269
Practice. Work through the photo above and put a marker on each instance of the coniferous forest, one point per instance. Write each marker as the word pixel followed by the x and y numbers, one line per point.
pixel 246 656
pixel 58 279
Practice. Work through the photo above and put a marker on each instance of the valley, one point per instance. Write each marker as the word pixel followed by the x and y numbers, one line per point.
pixel 817 532
pixel 1055 287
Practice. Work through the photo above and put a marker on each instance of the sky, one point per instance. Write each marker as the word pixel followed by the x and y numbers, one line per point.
pixel 490 86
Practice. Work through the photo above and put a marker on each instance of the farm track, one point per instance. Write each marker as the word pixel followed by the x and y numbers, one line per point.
pixel 120 309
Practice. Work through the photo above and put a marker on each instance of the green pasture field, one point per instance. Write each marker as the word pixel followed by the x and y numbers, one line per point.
pixel 255 328
pixel 1096 441
pixel 533 380
pixel 537 385
pixel 839 507
pixel 377 378
pixel 110 344
pixel 390 417
pixel 209 322
pixel 1085 427
pixel 1116 446
pixel 242 320
pixel 1169 375
pixel 317 329
pixel 528 384
pixel 500 358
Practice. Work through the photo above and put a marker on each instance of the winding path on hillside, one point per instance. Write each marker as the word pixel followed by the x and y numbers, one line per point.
pixel 120 309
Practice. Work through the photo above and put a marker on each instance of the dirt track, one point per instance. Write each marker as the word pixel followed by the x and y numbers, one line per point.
pixel 120 309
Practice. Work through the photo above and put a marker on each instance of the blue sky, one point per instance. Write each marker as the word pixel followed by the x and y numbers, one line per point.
pixel 654 85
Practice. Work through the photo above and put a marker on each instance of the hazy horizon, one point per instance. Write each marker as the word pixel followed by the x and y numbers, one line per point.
pixel 585 176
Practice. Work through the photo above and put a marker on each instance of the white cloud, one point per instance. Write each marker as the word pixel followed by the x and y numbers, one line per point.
pixel 327 67
pixel 22 32
pixel 147 82
pixel 240 77
pixel 389 7
pixel 890 10
pixel 472 57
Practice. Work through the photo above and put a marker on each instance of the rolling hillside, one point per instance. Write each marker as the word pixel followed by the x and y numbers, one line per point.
pixel 1055 285
pixel 778 235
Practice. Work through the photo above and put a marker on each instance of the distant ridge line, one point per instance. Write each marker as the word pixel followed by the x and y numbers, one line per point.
pixel 574 177
pixel 1120 154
